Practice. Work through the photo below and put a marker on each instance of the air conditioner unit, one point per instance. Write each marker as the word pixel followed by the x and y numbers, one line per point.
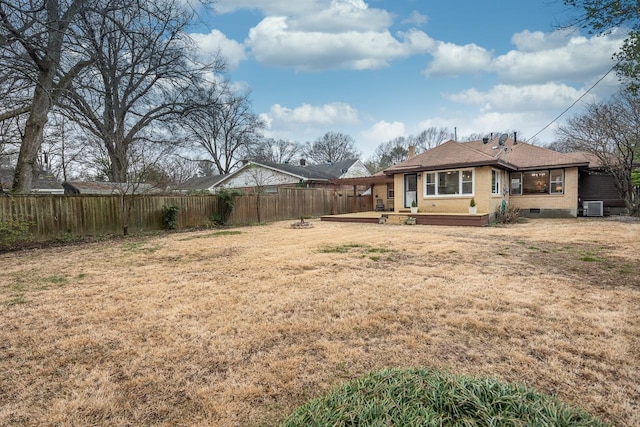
pixel 593 208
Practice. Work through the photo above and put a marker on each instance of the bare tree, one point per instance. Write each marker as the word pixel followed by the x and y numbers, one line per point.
pixel 222 125
pixel 331 147
pixel 430 138
pixel 178 169
pixel 10 137
pixel 140 76
pixel 275 151
pixel 389 153
pixel 65 148
pixel 397 150
pixel 611 132
pixel 39 60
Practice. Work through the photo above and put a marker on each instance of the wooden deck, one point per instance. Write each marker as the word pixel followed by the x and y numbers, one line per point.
pixel 400 218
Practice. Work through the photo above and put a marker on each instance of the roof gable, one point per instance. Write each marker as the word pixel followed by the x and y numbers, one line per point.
pixel 527 156
pixel 513 155
pixel 450 154
pixel 200 183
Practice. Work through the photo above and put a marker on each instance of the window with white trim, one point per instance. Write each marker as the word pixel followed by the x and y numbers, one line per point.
pixel 537 182
pixel 557 181
pixel 447 183
pixel 496 187
pixel 430 183
pixel 390 191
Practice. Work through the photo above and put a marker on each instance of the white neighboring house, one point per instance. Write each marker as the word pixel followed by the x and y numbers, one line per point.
pixel 267 177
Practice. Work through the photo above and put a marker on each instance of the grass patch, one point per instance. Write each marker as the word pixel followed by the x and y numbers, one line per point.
pixel 374 253
pixel 588 258
pixel 24 284
pixel 214 234
pixel 341 249
pixel 140 247
pixel 429 397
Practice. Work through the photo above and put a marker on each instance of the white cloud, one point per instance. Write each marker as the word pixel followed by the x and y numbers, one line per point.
pixel 369 139
pixel 534 41
pixel 271 7
pixel 452 60
pixel 273 42
pixel 209 44
pixel 416 18
pixel 383 131
pixel 323 116
pixel 526 124
pixel 556 56
pixel 342 16
pixel 505 98
pixel 308 122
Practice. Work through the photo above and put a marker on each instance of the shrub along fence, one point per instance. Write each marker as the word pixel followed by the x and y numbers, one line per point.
pixel 51 216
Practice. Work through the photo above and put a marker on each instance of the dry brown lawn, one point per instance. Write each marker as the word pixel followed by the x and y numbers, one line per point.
pixel 239 329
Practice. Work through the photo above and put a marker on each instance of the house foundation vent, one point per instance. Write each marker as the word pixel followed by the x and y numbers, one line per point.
pixel 593 208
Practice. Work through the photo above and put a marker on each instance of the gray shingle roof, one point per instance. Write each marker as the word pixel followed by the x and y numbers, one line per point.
pixel 95 187
pixel 199 183
pixel 321 172
pixel 42 180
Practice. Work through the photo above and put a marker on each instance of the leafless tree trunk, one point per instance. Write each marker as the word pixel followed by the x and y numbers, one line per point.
pixel 140 75
pixel 35 40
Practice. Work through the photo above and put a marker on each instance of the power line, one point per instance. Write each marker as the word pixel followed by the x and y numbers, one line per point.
pixel 576 101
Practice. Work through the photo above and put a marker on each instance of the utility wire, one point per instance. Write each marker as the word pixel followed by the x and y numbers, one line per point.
pixel 576 101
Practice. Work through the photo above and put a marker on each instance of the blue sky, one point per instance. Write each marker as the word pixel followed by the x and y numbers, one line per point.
pixel 379 69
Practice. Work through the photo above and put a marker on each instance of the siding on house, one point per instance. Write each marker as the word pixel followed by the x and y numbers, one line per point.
pixel 596 186
pixel 251 177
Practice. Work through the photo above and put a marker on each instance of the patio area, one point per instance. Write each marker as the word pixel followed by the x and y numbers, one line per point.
pixel 400 218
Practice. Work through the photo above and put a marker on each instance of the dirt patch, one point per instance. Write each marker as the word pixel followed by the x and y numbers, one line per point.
pixel 206 328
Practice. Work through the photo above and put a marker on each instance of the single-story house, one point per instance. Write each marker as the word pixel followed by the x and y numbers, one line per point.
pixel 444 179
pixel 199 184
pixel 44 182
pixel 108 188
pixel 269 176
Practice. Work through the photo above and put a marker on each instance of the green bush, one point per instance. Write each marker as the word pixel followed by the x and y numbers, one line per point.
pixel 170 216
pixel 14 229
pixel 226 202
pixel 426 397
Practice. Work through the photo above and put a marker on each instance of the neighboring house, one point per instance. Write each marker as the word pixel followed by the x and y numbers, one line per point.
pixel 269 176
pixel 199 184
pixel 43 182
pixel 108 188
pixel 539 181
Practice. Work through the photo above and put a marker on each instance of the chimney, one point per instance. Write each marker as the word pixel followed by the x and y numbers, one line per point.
pixel 412 151
pixel 303 162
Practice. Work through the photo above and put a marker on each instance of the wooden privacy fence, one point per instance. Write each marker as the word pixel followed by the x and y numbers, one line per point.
pixel 88 215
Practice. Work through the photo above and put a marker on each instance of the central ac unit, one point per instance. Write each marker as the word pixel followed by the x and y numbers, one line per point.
pixel 593 208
